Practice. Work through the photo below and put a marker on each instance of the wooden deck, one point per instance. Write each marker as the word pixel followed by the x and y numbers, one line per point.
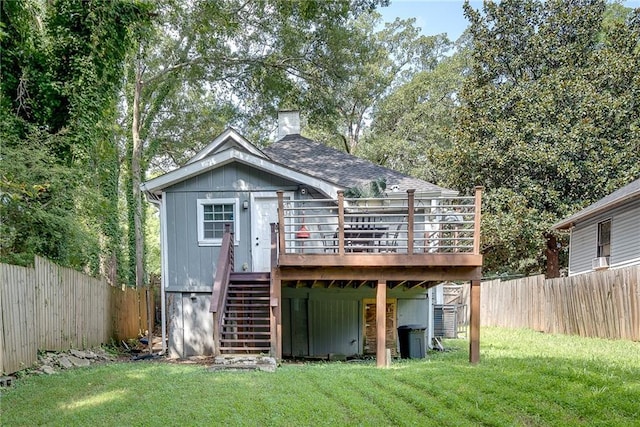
pixel 383 243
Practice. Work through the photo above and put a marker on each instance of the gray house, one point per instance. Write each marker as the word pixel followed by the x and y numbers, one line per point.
pixel 605 234
pixel 286 209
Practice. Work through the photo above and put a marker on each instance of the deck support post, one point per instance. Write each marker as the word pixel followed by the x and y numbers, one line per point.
pixel 474 321
pixel 381 324
pixel 276 299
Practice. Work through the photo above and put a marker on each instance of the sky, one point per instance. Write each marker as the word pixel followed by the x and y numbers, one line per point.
pixel 440 16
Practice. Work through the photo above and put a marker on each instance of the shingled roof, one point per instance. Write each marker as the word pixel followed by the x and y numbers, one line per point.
pixel 340 168
pixel 628 192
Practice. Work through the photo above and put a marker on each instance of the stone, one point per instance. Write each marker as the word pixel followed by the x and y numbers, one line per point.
pixel 266 368
pixel 46 369
pixel 76 361
pixel 90 355
pixel 65 363
pixel 77 353
pixel 103 355
pixel 244 363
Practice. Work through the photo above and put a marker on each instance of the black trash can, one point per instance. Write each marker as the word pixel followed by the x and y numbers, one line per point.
pixel 411 340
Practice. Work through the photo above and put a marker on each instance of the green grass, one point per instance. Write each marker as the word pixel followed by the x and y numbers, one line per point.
pixel 524 379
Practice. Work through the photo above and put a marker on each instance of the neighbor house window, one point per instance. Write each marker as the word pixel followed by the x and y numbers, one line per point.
pixel 213 217
pixel 604 239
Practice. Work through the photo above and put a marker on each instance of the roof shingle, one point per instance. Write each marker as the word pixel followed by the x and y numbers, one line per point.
pixel 338 167
pixel 627 192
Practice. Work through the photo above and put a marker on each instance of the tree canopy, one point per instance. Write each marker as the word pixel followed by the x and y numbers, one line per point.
pixel 549 120
pixel 61 71
pixel 537 102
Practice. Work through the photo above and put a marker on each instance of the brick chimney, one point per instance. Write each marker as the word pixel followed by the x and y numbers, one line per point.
pixel 288 123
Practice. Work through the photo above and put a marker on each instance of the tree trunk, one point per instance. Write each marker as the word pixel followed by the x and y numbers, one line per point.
pixel 553 264
pixel 136 180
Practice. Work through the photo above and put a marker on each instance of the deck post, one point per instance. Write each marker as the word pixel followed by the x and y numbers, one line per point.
pixel 381 324
pixel 476 225
pixel 474 323
pixel 281 237
pixel 340 222
pixel 410 219
pixel 275 299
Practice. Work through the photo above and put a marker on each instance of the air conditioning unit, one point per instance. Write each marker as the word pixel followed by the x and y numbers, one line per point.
pixel 600 263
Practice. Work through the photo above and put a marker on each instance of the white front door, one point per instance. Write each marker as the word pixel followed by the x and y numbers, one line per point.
pixel 264 211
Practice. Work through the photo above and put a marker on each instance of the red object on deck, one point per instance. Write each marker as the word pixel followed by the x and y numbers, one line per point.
pixel 303 232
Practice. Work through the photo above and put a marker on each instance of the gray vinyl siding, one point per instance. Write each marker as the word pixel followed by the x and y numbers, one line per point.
pixel 318 322
pixel 191 267
pixel 583 248
pixel 625 239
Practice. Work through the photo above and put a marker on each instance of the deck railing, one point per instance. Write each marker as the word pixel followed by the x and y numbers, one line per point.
pixel 397 224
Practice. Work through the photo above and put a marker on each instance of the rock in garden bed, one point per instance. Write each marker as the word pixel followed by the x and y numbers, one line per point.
pixel 52 362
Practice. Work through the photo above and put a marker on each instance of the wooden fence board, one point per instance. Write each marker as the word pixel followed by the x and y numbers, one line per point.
pixel 3 285
pixel 603 304
pixel 48 307
pixel 17 318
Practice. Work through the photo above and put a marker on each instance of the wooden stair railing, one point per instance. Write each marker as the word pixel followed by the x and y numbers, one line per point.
pixel 225 266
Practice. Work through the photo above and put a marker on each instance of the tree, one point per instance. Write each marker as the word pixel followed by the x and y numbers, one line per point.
pixel 415 121
pixel 62 66
pixel 243 57
pixel 366 64
pixel 548 121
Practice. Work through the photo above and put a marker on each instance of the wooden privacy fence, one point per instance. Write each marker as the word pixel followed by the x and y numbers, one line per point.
pixel 52 308
pixel 603 304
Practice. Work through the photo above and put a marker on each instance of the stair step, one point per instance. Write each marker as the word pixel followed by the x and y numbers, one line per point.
pixel 250 276
pixel 249 297
pixel 247 333
pixel 257 283
pixel 247 291
pixel 248 304
pixel 263 324
pixel 252 333
pixel 253 340
pixel 245 329
pixel 254 348
pixel 241 313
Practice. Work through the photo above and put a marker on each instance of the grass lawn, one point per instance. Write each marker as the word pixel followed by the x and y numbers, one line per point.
pixel 524 378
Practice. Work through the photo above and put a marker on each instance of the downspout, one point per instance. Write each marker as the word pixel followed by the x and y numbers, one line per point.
pixel 158 203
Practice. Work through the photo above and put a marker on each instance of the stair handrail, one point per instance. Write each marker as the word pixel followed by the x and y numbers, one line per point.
pixel 225 266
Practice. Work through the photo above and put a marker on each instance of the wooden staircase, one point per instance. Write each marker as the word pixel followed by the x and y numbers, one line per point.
pixel 246 321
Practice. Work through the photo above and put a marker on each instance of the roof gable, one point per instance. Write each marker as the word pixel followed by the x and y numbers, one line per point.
pixel 628 192
pixel 230 155
pixel 230 138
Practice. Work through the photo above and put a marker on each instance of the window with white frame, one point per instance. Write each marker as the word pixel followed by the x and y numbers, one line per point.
pixel 604 239
pixel 213 217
